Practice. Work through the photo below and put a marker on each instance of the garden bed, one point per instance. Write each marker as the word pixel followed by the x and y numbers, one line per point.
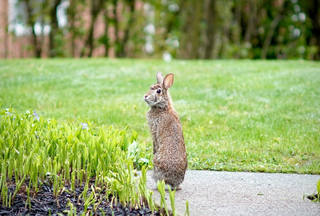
pixel 48 168
pixel 67 202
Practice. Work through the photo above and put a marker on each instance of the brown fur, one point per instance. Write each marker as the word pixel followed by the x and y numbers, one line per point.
pixel 170 157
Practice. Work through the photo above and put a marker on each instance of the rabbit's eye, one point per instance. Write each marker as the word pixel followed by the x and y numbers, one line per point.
pixel 158 91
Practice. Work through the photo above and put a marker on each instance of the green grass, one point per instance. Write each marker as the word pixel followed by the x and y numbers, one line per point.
pixel 236 115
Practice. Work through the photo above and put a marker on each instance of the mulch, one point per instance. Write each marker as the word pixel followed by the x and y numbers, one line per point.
pixel 45 203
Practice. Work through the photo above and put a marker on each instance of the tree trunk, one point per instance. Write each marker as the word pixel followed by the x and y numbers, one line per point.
pixel 54 28
pixel 5 36
pixel 273 26
pixel 72 12
pixel 269 36
pixel 96 7
pixel 89 40
pixel 191 31
pixel 314 13
pixel 252 21
pixel 237 37
pixel 42 22
pixel 106 33
pixel 31 23
pixel 90 37
pixel 125 39
pixel 116 28
pixel 211 27
pixel 38 49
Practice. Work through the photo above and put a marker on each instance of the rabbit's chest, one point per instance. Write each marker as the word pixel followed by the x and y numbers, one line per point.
pixel 155 124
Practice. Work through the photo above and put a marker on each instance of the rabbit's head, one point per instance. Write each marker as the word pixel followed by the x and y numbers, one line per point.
pixel 158 95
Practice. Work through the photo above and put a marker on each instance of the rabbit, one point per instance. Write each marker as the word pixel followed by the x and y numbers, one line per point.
pixel 170 156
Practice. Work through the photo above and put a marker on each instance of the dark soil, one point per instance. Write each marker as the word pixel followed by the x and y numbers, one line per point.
pixel 44 203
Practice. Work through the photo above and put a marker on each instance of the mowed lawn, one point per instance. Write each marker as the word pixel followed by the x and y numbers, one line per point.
pixel 236 115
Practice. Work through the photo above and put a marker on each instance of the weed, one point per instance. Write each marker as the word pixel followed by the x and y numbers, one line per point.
pixel 316 196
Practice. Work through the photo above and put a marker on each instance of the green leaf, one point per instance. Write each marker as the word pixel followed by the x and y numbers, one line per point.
pixel 134 136
pixel 125 143
pixel 187 213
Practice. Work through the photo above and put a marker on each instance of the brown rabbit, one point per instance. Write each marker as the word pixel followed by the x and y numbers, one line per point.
pixel 170 157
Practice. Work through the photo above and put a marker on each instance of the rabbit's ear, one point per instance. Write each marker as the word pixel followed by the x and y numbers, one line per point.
pixel 168 81
pixel 159 77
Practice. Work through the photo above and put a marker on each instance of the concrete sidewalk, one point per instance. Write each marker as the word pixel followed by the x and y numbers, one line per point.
pixel 243 193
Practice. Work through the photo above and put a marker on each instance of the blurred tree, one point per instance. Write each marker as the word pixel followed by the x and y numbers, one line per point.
pixel 121 52
pixel 207 29
pixel 104 39
pixel 210 27
pixel 225 49
pixel 312 8
pixel 236 36
pixel 38 15
pixel 116 26
pixel 169 16
pixel 191 30
pixel 280 11
pixel 54 26
pixel 5 31
pixel 75 25
pixel 34 11
pixel 252 10
pixel 127 21
pixel 96 8
pixel 71 14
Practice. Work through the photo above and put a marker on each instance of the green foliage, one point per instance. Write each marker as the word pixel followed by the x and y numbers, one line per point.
pixel 172 197
pixel 42 150
pixel 187 213
pixel 316 196
pixel 161 188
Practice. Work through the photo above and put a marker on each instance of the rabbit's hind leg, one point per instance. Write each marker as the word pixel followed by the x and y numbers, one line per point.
pixel 173 187
pixel 157 175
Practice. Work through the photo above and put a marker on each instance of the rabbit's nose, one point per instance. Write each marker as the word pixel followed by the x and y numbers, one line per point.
pixel 145 96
